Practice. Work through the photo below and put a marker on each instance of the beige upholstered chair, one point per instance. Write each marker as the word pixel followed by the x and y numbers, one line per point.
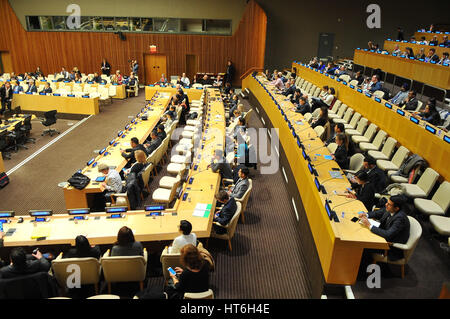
pixel 414 235
pixel 199 295
pixel 379 94
pixel 168 181
pixel 231 227
pixel 340 113
pixel 319 130
pixel 438 204
pixel 90 270
pixel 332 147
pixel 347 117
pixel 354 83
pixel 397 160
pixel 166 196
pixel 176 169
pixel 104 297
pixel 353 122
pixel 244 200
pixel 424 185
pixel 335 108
pixel 124 269
pixel 368 135
pixel 356 163
pixel 375 145
pixel 360 129
pixel 307 117
pixel 387 150
pixel 169 260
pixel 441 224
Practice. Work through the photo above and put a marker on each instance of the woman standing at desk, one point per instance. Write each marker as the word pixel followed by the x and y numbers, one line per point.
pixel 106 68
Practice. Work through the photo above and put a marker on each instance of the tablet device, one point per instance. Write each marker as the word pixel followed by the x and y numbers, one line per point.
pixel 100 179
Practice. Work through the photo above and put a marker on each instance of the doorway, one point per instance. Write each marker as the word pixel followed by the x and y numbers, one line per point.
pixel 191 66
pixel 326 43
pixel 5 62
pixel 155 65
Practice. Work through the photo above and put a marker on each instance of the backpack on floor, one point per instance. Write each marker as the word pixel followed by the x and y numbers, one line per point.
pixel 4 180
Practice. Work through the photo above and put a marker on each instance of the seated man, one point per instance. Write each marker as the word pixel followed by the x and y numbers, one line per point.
pixel 290 88
pixel 226 213
pixel 303 106
pixel 32 87
pixel 154 143
pixel 6 96
pixel 341 71
pixel 374 85
pixel 185 80
pixel 278 82
pixel 241 186
pixel 161 132
pixel 401 95
pixel 47 89
pixel 218 82
pixel 432 56
pixel 411 102
pixel 444 59
pixel 132 83
pixel 23 264
pixel 113 182
pixel 172 112
pixel 219 164
pixel 394 225
pixel 129 152
pixel 295 99
pixel 376 176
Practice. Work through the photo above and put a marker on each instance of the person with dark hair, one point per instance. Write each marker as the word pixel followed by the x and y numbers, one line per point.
pixel 226 213
pixel 6 96
pixel 338 128
pixel 126 244
pixel 376 176
pixel 229 74
pixel 193 277
pixel 409 53
pixel 239 127
pixel 219 164
pixel 341 153
pixel 325 101
pixel 421 54
pixel 295 99
pixel 400 35
pixel 323 118
pixel 83 249
pixel 290 87
pixel 154 143
pixel 432 56
pixel 161 132
pixel 401 95
pixel 430 114
pixel 106 67
pixel 185 238
pixel 375 84
pixel 112 184
pixel 242 185
pixel 23 264
pixel 365 193
pixel 445 42
pixel 303 106
pixel 434 41
pixel 129 152
pixel 47 89
pixel 411 102
pixel 358 77
pixel 394 224
pixel 445 59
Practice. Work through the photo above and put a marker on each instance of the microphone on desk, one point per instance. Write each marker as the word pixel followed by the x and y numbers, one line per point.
pixel 318 148
pixel 348 202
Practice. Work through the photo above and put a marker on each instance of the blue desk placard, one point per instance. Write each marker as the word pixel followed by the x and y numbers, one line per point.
pixel 412 58
pixel 343 82
pixel 328 157
pixel 332 77
pixel 29 93
pixel 445 64
pixel 42 93
pixel 430 129
pixel 447 138
pixel 56 94
pixel 414 120
pixel 369 95
pixel 378 99
pixel 388 105
pixel 360 91
pixel 422 60
pixel 293 133
pixel 85 96
pixel 102 151
pixel 401 112
pixel 151 85
pixel 70 95
pixel 393 54
pixel 386 53
pixel 54 81
pixel 326 74
pixel 352 86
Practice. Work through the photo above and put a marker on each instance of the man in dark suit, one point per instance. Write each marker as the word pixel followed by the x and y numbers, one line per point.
pixel 394 225
pixel 295 99
pixel 224 215
pixel 290 89
pixel 17 88
pixel 229 74
pixel 303 106
pixel 154 143
pixel 47 89
pixel 161 132
pixel 376 176
pixel 6 95
pixel 220 164
pixel 432 56
pixel 242 185
pixel 21 264
pixel 411 102
pixel 32 87
pixel 129 153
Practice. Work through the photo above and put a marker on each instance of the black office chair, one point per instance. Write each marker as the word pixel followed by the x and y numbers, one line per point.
pixel 17 138
pixel 26 128
pixel 4 145
pixel 17 110
pixel 50 119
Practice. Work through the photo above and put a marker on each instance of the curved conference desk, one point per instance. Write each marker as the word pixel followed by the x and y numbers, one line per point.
pixel 193 94
pixel 419 137
pixel 101 230
pixel 338 246
pixel 389 45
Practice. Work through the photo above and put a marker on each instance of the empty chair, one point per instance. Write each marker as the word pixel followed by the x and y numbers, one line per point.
pixel 438 204
pixel 415 232
pixel 386 151
pixel 368 135
pixel 89 270
pixel 379 94
pixel 375 145
pixel 332 147
pixel 424 186
pixel 347 117
pixel 335 108
pixel 181 159
pixel 339 114
pixel 168 181
pixel 124 269
pixel 104 297
pixel 307 117
pixel 50 119
pixel 353 122
pixel 231 227
pixel 345 77
pixel 441 224
pixel 176 169
pixel 396 162
pixel 354 83
pixel 320 130
pixel 356 163
pixel 166 196
pixel 360 129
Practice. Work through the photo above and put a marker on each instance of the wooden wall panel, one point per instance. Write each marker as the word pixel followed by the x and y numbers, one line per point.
pixel 51 50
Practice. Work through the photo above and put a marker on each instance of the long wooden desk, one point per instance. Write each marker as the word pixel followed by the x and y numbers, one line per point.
pixel 415 137
pixel 101 230
pixel 429 36
pixel 193 94
pixel 390 47
pixel 141 129
pixel 339 245
pixel 2 166
pixel 428 73
pixel 63 104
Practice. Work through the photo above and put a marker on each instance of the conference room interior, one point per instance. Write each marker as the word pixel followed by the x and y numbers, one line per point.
pixel 282 244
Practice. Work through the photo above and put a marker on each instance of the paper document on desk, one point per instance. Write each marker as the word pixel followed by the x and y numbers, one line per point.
pixel 336 175
pixel 202 210
pixel 40 232
pixel 373 223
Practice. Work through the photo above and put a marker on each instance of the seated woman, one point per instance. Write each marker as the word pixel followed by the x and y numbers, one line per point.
pixel 139 165
pixel 430 114
pixel 341 153
pixel 126 245
pixel 193 277
pixel 83 249
pixel 327 101
pixel 186 238
pixel 323 118
pixel 365 192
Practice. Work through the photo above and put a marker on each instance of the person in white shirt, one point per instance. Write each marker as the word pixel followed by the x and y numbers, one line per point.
pixel 218 82
pixel 185 239
pixel 278 82
pixel 185 80
pixel 113 182
pixel 397 50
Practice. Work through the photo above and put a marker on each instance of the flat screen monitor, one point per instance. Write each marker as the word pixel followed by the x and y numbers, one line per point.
pixel 115 210
pixel 7 214
pixel 414 120
pixel 40 213
pixel 447 138
pixel 81 211
pixel 388 105
pixel 401 112
pixel 430 129
pixel 154 208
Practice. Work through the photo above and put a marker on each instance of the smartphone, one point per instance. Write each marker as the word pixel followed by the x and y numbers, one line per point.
pixel 171 271
pixel 355 219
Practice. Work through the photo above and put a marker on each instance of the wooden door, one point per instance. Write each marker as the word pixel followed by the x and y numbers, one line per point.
pixel 6 62
pixel 191 66
pixel 155 66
